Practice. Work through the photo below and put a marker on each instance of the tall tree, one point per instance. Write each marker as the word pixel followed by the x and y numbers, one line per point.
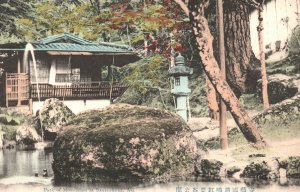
pixel 237 44
pixel 264 81
pixel 205 45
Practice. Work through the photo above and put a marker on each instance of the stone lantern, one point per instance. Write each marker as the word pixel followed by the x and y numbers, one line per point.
pixel 181 90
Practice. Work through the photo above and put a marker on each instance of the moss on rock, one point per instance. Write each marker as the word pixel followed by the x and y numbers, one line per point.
pixel 281 113
pixel 124 143
pixel 52 116
pixel 280 87
pixel 257 170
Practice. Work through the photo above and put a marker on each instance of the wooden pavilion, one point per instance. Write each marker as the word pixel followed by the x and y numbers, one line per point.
pixel 67 67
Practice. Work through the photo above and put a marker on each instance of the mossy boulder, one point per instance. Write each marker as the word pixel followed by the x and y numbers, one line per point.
pixel 257 170
pixel 124 143
pixel 52 116
pixel 280 87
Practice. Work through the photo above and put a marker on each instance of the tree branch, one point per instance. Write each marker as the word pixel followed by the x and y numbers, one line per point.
pixel 183 6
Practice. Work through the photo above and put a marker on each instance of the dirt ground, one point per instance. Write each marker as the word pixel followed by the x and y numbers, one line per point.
pixel 238 154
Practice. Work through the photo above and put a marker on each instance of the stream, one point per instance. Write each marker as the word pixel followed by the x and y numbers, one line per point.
pixel 17 169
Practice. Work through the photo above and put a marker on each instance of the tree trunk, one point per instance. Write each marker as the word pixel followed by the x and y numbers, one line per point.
pixel 264 81
pixel 237 44
pixel 204 40
pixel 212 100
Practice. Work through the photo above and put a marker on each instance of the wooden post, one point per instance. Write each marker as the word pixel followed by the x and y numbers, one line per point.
pixel 5 88
pixel 223 108
pixel 30 106
pixel 19 82
pixel 264 80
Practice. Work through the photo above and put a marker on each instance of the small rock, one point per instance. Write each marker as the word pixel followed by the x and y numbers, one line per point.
pixel 209 168
pixel 27 135
pixel 232 170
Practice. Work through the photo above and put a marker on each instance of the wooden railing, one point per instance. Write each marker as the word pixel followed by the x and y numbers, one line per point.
pixel 79 90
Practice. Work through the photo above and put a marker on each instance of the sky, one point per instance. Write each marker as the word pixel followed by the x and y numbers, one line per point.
pixel 274 28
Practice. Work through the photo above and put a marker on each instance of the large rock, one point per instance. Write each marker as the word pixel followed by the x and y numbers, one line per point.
pixel 124 143
pixel 280 87
pixel 52 116
pixel 27 135
pixel 281 113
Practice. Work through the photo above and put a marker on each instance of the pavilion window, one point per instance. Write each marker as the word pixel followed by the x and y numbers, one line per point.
pixel 42 68
pixel 177 81
pixel 63 70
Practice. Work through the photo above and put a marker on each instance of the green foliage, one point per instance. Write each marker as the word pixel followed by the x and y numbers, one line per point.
pixel 145 79
pixel 150 85
pixel 10 132
pixel 50 18
pixel 9 122
pixel 11 118
pixel 124 22
pixel 10 11
pixel 198 99
pixel 251 102
pixel 9 38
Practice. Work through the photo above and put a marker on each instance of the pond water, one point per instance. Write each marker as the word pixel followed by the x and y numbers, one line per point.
pixel 17 169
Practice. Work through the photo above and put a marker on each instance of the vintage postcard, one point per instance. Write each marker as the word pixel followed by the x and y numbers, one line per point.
pixel 149 95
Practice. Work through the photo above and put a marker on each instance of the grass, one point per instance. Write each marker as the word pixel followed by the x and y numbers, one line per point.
pixel 277 132
pixel 251 102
